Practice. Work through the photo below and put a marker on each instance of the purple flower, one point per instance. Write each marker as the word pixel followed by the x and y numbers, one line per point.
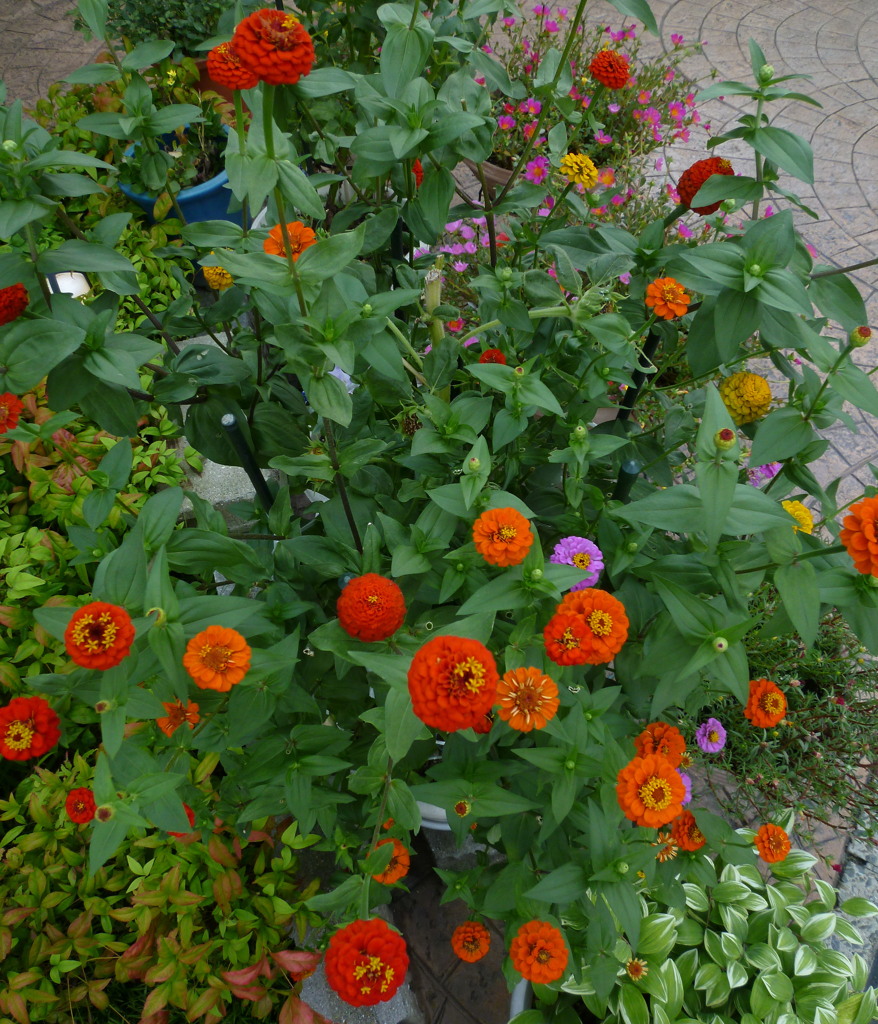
pixel 506 122
pixel 687 785
pixel 537 170
pixel 710 736
pixel 756 475
pixel 467 233
pixel 626 277
pixel 584 555
pixel 613 108
pixel 509 22
pixel 460 266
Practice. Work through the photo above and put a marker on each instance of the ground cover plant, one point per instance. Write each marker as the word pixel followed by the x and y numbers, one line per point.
pixel 462 588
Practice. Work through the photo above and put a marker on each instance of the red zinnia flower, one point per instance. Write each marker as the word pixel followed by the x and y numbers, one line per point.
pixel 366 962
pixel 538 952
pixel 274 45
pixel 99 635
pixel 695 176
pixel 589 628
pixel 492 355
pixel 452 683
pixel 225 68
pixel 371 607
pixel 10 409
pixel 13 302
pixel 650 791
pixel 399 864
pixel 177 714
pixel 471 941
pixel 190 814
pixel 667 297
pixel 766 705
pixel 664 739
pixel 687 835
pixel 80 805
pixel 610 69
pixel 28 728
pixel 418 172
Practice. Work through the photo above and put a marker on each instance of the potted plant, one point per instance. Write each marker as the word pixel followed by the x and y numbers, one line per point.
pixel 489 603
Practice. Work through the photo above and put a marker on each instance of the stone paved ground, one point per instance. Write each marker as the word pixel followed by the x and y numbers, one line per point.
pixel 835 42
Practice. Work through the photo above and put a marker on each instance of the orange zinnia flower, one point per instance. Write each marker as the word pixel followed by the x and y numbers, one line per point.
pixel 667 297
pixel 589 628
pixel 695 176
pixel 502 536
pixel 217 658
pixel 13 302
pixel 650 791
pixel 10 409
pixel 28 728
pixel 687 835
pixel 177 715
pixel 99 635
pixel 301 238
pixel 366 962
pixel 370 607
pixel 528 698
pixel 471 941
pixel 225 68
pixel 452 682
pixel 538 952
pixel 860 536
pixel 399 863
pixel 610 69
pixel 636 969
pixel 767 704
pixel 772 843
pixel 664 739
pixel 274 45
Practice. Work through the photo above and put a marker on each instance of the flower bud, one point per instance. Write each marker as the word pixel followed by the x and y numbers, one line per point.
pixel 536 574
pixel 720 645
pixel 473 465
pixel 104 813
pixel 519 371
pixel 570 765
pixel 161 616
pixel 103 706
pixel 755 270
pixel 621 867
pixel 579 432
pixel 725 439
pixel 366 310
pixel 860 336
pixel 632 547
pixel 766 73
pixel 728 205
pixel 504 274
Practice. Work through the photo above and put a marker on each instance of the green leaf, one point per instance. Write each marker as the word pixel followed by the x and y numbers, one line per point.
pixel 29 349
pixel 837 297
pixel 797 585
pixel 93 74
pixel 401 725
pixel 694 619
pixel 117 465
pixel 82 256
pixel 328 256
pixel 505 593
pixel 781 435
pixel 328 396
pixel 159 515
pixel 94 14
pixel 106 838
pixel 325 82
pixel 677 508
pixel 633 1005
pixel 150 52
pixel 301 193
pixel 727 186
pixel 789 151
pixel 14 215
pixel 716 486
pixel 857 906
pixel 856 387
pixel 752 511
pixel 639 9
pixel 403 55
pixel 563 885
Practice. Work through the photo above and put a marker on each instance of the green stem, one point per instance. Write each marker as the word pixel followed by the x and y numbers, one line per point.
pixel 416 10
pixel 339 480
pixel 558 204
pixel 844 270
pixel 534 314
pixel 754 213
pixel 34 255
pixel 242 148
pixel 405 341
pixel 831 550
pixel 812 408
pixel 541 119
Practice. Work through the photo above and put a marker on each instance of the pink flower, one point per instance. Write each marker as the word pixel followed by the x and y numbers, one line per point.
pixel 509 22
pixel 538 170
pixel 506 122
pixel 769 211
pixel 676 39
pixel 607 176
pixel 455 325
pixel 652 115
pixel 618 200
pixel 644 96
pixel 552 26
pixel 467 233
pixel 659 164
pixel 487 49
pixel 541 10
pixel 812 252
pixel 480 79
pixel 670 76
pixel 614 108
pixel 530 106
pixel 626 277
pixel 471 248
pixel 684 231
pixel 459 266
pixel 677 110
pixel 602 138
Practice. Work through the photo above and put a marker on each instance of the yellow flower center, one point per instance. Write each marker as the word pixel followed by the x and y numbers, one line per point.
pixel 506 534
pixel 771 704
pixel 544 955
pixel 372 599
pixel 695 834
pixel 95 634
pixel 468 675
pixel 373 972
pixel 19 735
pixel 568 640
pixel 671 293
pixel 472 944
pixel 600 623
pixel 713 736
pixel 216 657
pixel 655 793
pixel 527 699
pixel 581 560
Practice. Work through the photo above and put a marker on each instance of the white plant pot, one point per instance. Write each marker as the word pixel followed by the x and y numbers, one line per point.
pixel 521 999
pixel 433 817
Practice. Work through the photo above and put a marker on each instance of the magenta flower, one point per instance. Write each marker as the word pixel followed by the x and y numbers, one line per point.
pixel 676 39
pixel 684 231
pixel 530 106
pixel 506 122
pixel 710 736
pixel 758 474
pixel 537 170
pixel 552 26
pixel 644 96
pixel 509 22
pixel 602 138
pixel 613 108
pixel 677 110
pixel 582 553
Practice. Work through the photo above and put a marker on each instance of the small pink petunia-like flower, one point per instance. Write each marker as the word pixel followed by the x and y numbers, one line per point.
pixel 530 106
pixel 602 138
pixel 537 170
pixel 676 39
pixel 582 553
pixel 710 736
pixel 506 122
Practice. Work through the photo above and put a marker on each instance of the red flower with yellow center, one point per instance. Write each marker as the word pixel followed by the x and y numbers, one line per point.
pixel 471 941
pixel 772 843
pixel 859 535
pixel 650 791
pixel 80 805
pixel 462 808
pixel 301 238
pixel 610 69
pixel 766 705
pixel 217 658
pixel 664 739
pixel 274 45
pixel 10 409
pixel 502 536
pixel 366 962
pixel 399 864
pixel 667 297
pixel 589 628
pixel 371 607
pixel 99 635
pixel 452 682
pixel 636 969
pixel 528 698
pixel 13 302
pixel 225 68
pixel 28 728
pixel 538 952
pixel 178 713
pixel 687 835
pixel 695 176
